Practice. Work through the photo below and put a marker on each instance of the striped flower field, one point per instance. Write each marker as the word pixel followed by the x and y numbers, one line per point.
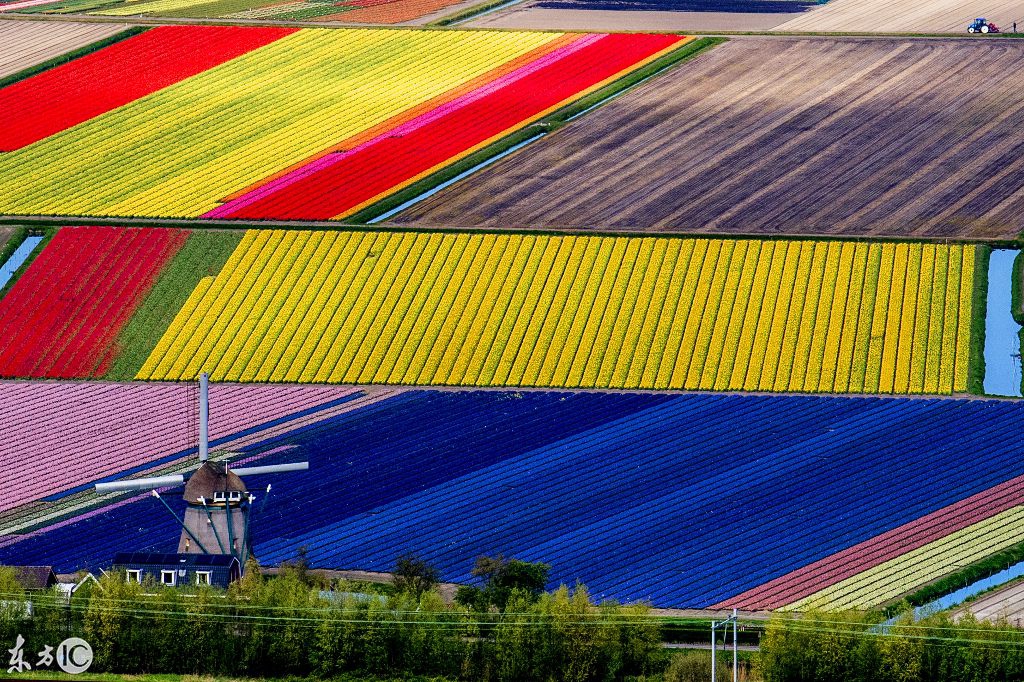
pixel 106 429
pixel 236 122
pixel 62 317
pixel 620 490
pixel 600 312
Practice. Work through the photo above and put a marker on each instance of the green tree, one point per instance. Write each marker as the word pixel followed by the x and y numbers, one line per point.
pixel 501 577
pixel 414 575
pixel 900 653
pixel 13 604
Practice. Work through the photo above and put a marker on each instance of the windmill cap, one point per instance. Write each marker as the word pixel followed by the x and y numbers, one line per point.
pixel 212 477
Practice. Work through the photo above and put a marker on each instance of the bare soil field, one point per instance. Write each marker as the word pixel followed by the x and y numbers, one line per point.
pixel 26 43
pixel 1006 602
pixel 810 136
pixel 530 17
pixel 906 16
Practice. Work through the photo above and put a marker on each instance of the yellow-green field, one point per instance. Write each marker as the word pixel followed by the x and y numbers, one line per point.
pixel 578 311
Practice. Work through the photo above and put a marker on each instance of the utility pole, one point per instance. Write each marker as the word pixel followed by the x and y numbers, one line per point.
pixel 735 648
pixel 714 676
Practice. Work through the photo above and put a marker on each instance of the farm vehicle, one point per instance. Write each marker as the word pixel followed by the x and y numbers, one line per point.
pixel 982 25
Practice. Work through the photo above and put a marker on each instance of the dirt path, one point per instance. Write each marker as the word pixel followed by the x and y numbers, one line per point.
pixel 774 136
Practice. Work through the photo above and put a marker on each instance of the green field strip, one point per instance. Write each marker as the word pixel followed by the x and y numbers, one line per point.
pixel 970 351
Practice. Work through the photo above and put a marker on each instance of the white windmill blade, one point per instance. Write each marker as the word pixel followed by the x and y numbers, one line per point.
pixel 270 469
pixel 140 484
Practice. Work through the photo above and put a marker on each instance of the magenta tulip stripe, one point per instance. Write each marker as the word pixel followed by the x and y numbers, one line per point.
pixel 61 436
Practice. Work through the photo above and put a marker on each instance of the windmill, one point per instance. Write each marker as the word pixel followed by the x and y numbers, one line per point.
pixel 218 503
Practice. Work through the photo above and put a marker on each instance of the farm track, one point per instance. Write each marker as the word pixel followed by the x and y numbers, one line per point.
pixel 778 136
pixel 5 234
pixel 27 43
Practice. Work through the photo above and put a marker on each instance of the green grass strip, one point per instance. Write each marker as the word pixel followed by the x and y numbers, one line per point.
pixel 47 236
pixel 69 56
pixel 1017 289
pixel 549 123
pixel 979 307
pixel 203 255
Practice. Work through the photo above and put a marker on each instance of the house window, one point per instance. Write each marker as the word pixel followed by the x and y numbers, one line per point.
pixel 202 577
pixel 133 575
pixel 235 496
pixel 168 578
pixel 218 497
pixel 188 543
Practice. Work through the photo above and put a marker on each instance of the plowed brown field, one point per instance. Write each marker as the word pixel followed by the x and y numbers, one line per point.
pixel 812 136
pixel 26 43
pixel 906 16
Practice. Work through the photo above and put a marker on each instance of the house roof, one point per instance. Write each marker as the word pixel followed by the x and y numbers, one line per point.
pixel 35 577
pixel 178 560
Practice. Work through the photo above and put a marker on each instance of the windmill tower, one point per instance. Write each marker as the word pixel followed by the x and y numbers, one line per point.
pixel 219 505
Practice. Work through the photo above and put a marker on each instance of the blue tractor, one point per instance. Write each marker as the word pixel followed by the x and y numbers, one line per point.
pixel 982 25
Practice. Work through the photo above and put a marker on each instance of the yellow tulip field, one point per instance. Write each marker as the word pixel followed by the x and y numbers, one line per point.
pixel 578 311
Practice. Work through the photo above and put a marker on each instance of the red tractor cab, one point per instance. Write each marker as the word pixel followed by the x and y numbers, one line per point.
pixel 982 25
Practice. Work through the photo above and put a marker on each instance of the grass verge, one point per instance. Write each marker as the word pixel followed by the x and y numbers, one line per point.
pixel 204 254
pixel 47 236
pixel 69 56
pixel 1017 289
pixel 979 309
pixel 549 123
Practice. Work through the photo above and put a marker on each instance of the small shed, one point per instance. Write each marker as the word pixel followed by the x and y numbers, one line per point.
pixel 178 569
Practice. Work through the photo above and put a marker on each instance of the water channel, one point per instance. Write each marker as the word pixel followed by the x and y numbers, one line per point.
pixel 1002 333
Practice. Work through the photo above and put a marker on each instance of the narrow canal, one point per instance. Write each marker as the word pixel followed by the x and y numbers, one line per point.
pixel 1002 333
